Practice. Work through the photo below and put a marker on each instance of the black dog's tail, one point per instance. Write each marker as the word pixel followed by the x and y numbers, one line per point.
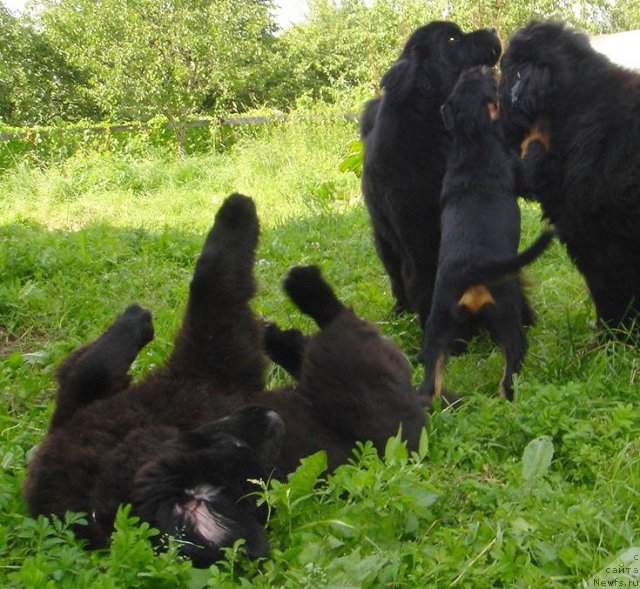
pixel 497 269
pixel 474 293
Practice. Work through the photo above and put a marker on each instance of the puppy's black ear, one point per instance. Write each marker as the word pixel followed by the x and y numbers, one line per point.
pixel 448 116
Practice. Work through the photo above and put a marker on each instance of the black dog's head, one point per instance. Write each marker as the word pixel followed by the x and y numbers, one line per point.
pixel 541 63
pixel 434 57
pixel 197 487
pixel 472 106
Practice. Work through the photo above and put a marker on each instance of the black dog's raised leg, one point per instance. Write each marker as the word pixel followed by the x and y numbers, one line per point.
pixel 285 347
pixel 312 295
pixel 358 382
pixel 220 339
pixel 99 369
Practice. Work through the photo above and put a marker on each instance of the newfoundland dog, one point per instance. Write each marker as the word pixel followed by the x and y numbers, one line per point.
pixel 584 160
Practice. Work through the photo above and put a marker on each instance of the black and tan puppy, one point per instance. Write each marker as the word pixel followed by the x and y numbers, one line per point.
pixel 405 154
pixel 183 444
pixel 575 117
pixel 478 265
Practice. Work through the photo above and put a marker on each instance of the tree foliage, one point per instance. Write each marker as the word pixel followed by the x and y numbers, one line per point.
pixel 164 57
pixel 37 84
pixel 138 59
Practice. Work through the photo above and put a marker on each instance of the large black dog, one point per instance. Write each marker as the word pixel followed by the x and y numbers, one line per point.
pixel 585 166
pixel 182 445
pixel 480 222
pixel 405 154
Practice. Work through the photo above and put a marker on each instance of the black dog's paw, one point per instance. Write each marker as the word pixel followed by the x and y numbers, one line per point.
pixel 285 347
pixel 312 295
pixel 238 213
pixel 280 343
pixel 137 323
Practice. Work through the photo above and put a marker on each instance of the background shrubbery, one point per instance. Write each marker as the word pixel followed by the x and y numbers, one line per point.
pixel 123 60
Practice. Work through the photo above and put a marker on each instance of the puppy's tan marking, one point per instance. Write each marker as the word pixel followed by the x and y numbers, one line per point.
pixel 437 382
pixel 539 131
pixel 494 110
pixel 475 298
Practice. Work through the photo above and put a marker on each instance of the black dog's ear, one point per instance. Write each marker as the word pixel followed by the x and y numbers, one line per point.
pixel 448 117
pixel 399 80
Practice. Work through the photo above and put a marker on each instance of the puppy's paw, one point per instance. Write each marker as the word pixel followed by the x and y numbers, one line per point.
pixel 278 342
pixel 137 323
pixel 313 296
pixel 237 213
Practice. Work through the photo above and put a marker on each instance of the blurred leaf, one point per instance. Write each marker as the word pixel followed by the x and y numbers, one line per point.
pixel 536 458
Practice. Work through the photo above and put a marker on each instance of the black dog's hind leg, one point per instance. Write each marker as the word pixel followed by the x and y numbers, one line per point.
pixel 507 331
pixel 440 331
pixel 358 382
pixel 528 316
pixel 220 339
pixel 421 280
pixel 392 263
pixel 285 347
pixel 99 369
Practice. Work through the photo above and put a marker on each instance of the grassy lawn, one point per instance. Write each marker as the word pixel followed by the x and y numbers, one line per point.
pixel 82 239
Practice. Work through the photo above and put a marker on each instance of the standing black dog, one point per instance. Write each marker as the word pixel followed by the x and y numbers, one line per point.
pixel 480 221
pixel 182 445
pixel 405 154
pixel 584 166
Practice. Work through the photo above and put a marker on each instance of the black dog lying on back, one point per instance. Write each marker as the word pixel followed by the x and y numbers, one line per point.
pixel 182 445
pixel 480 221
pixel 405 154
pixel 584 165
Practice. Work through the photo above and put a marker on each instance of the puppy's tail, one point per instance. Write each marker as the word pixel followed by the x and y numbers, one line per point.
pixel 474 292
pixel 497 269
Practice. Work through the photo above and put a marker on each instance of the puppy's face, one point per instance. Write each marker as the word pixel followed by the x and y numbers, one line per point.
pixel 472 105
pixel 197 488
pixel 538 70
pixel 434 57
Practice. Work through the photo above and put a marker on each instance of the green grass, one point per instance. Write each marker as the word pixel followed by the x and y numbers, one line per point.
pixel 82 239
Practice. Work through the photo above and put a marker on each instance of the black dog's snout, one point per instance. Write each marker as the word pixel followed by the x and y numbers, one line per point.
pixel 486 47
